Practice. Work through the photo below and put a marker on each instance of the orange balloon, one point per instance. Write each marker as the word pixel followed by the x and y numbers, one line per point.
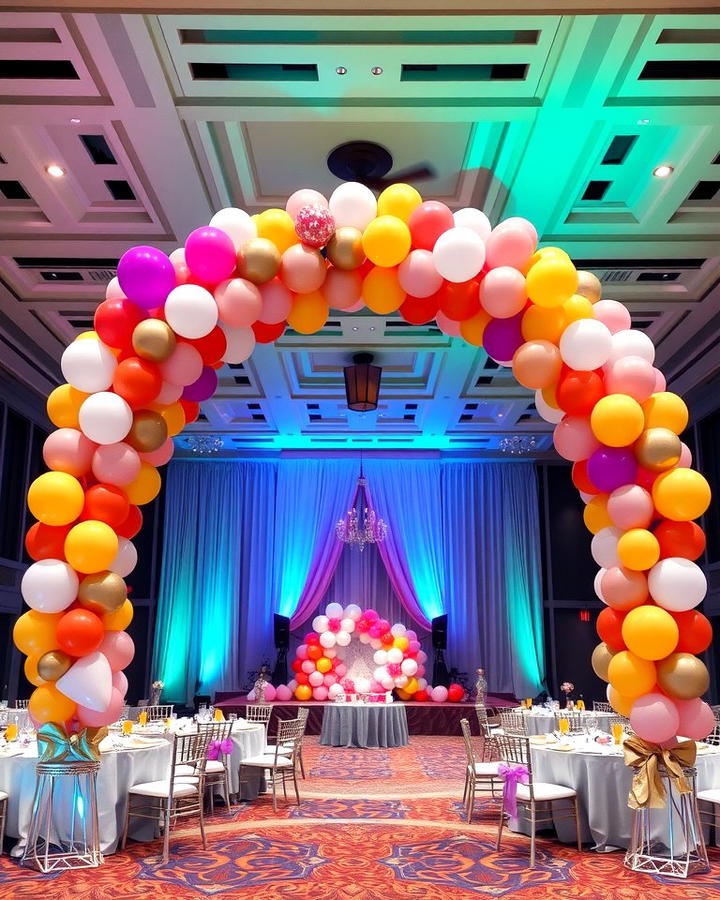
pixel 174 416
pixel 537 364
pixel 303 692
pixel 34 632
pixel 550 396
pixel 120 619
pixel 541 323
pixel 473 329
pixel 63 406
pixel 145 487
pixel 595 514
pixel 48 704
pixel 381 290
pixel 31 671
pixel 622 705
pixel 309 312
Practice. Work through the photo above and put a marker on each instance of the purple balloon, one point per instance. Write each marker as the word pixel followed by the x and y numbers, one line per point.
pixel 210 254
pixel 203 388
pixel 611 467
pixel 502 337
pixel 146 276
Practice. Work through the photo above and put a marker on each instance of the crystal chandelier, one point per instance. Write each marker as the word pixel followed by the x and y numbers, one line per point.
pixel 360 525
pixel 203 444
pixel 518 445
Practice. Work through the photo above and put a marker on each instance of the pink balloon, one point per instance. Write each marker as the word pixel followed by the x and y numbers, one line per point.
pixel 696 719
pixel 371 615
pixel 68 450
pixel 417 274
pixel 343 289
pixel 169 393
pixel 630 375
pixel 341 670
pixel 411 635
pixel 270 693
pixel 623 590
pixel 302 269
pixel 586 498
pixel 511 245
pixel 447 326
pixel 573 438
pixel 685 461
pixel 356 307
pixel 113 291
pixel 239 302
pixel 161 456
pixel 283 693
pixel 210 254
pixel 614 316
pixel 119 648
pixel 304 197
pixel 439 694
pixel 502 292
pixel 630 506
pixel 183 366
pixel 413 646
pixel 302 651
pixel 120 682
pixel 315 679
pixel 92 719
pixel 308 666
pixel 655 718
pixel 320 692
pixel 276 302
pixel 660 382
pixel 117 464
pixel 329 679
pixel 182 270
pixel 519 222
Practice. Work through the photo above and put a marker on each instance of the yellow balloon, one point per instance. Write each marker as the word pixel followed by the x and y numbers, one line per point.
pixel 617 420
pixel 666 410
pixel 91 546
pixel 650 632
pixel 145 487
pixel 56 498
pixel 309 312
pixel 120 619
pixel 402 693
pixel 174 416
pixel 277 226
pixel 681 494
pixel 412 686
pixel 381 290
pixel 638 549
pixel 323 665
pixel 63 406
pixel 473 329
pixel 398 200
pixel 402 643
pixel 88 336
pixel 543 253
pixel 551 281
pixel 48 704
pixel 540 323
pixel 34 632
pixel 630 675
pixel 595 514
pixel 386 241
pixel 622 705
pixel 577 307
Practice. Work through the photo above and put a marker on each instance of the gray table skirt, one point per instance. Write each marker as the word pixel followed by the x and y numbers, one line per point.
pixel 365 725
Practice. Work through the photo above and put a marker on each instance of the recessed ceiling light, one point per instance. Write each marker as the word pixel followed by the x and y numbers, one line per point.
pixel 643 121
pixel 376 70
pixel 355 328
pixel 341 70
pixel 55 171
pixel 662 171
pixel 75 121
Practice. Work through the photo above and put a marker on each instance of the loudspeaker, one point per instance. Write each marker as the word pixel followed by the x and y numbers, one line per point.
pixel 282 632
pixel 439 632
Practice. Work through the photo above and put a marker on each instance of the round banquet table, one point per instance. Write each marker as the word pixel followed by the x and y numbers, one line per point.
pixel 364 725
pixel 602 782
pixel 544 722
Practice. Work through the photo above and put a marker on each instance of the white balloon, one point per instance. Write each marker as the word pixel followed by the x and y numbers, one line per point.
pixel 547 412
pixel 191 311
pixel 335 690
pixel 125 559
pixel 348 625
pixel 677 584
pixel 388 682
pixel 353 204
pixel 240 343
pixel 422 684
pixel 364 638
pixel 342 639
pixel 49 585
pixel 459 254
pixel 376 643
pixel 380 658
pixel 327 639
pixel 113 291
pixel 585 497
pixel 596 584
pixel 320 624
pixel 334 611
pixel 401 681
pixel 362 685
pixel 409 667
pixel 398 629
pixel 474 219
pixel 586 345
pixel 380 674
pixel 353 611
pixel 88 682
pixel 315 679
pixel 236 224
pixel 292 684
pixel 105 418
pixel 395 655
pixel 88 365
pixel 604 547
pixel 631 343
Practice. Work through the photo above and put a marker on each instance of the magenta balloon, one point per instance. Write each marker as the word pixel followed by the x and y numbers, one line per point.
pixel 204 387
pixel 276 302
pixel 511 245
pixel 68 450
pixel 93 719
pixel 146 276
pixel 696 719
pixel 614 316
pixel 417 274
pixel 162 455
pixel 302 652
pixel 655 718
pixel 117 464
pixel 502 338
pixel 611 467
pixel 630 506
pixel 210 254
pixel 573 438
pixel 119 648
pixel 631 375
pixel 371 615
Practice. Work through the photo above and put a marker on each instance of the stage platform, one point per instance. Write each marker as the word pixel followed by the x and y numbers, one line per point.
pixel 423 718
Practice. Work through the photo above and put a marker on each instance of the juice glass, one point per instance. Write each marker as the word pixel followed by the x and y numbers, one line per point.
pixel 617 732
pixel 11 732
pixel 142 719
pixel 218 715
pixel 564 726
pixel 127 727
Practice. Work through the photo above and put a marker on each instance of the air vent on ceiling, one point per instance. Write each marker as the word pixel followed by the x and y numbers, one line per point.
pixel 29 36
pixel 209 71
pixel 596 190
pixel 242 380
pixel 466 417
pixel 468 440
pixel 120 189
pixel 38 69
pixel 618 150
pixel 658 276
pixel 13 190
pixel 681 70
pixel 689 36
pixel 704 190
pixel 395 440
pixel 716 161
pixel 464 72
pixel 315 417
pixel 61 276
pixel 594 265
pixel 433 37
pixel 63 262
pixel 98 149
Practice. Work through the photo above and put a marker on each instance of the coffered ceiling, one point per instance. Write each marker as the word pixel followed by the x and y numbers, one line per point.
pixel 160 118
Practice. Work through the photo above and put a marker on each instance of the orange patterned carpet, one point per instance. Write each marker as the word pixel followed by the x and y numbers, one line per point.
pixel 373 825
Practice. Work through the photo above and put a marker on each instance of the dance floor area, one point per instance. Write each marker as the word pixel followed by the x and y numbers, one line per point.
pixel 373 825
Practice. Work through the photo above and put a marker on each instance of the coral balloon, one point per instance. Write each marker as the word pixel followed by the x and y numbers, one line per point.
pixel 631 506
pixel 631 375
pixel 574 439
pixel 623 589
pixel 239 302
pixel 696 719
pixel 68 450
pixel 578 392
pixel 537 364
pixel 655 718
pixel 686 539
pixel 116 464
pixel 79 632
pixel 427 222
pixel 502 294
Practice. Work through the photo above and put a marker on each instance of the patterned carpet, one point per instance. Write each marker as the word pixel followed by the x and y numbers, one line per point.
pixel 373 825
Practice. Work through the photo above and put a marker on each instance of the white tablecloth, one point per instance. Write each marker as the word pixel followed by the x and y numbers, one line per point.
pixel 543 722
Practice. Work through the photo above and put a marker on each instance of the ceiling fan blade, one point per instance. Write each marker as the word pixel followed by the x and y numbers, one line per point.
pixel 421 172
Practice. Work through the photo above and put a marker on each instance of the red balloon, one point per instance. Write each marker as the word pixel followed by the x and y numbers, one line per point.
pixel 137 381
pixel 646 479
pixel 191 409
pixel 315 651
pixel 296 665
pixel 312 638
pixel 419 310
pixel 266 334
pixel 387 640
pixel 79 632
pixel 212 347
pixel 46 541
pixel 578 392
pixel 106 503
pixel 609 628
pixel 695 631
pixel 132 523
pixel 459 301
pixel 580 478
pixel 686 539
pixel 421 696
pixel 115 321
pixel 455 693
pixel 427 222
pixel 301 678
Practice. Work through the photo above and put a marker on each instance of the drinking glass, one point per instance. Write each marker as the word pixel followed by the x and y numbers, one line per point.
pixel 142 719
pixel 11 732
pixel 564 726
pixel 617 732
pixel 218 715
pixel 528 702
pixel 127 727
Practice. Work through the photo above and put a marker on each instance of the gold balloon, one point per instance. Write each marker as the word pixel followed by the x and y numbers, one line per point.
pixel 102 593
pixel 658 449
pixel 600 660
pixel 345 249
pixel 258 260
pixel 154 340
pixel 682 676
pixel 589 286
pixel 148 432
pixel 53 665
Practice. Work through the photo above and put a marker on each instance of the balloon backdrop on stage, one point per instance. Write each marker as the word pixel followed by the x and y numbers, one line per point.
pixel 168 323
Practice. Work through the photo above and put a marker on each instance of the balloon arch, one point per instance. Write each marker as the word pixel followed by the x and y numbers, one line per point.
pixel 168 323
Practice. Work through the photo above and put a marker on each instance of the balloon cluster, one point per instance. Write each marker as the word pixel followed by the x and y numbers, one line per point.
pixel 319 667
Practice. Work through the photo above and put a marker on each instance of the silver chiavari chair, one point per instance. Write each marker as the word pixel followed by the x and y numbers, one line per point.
pixel 478 773
pixel 578 722
pixel 489 731
pixel 601 706
pixel 159 712
pixel 217 771
pixel 282 764
pixel 21 704
pixel 513 722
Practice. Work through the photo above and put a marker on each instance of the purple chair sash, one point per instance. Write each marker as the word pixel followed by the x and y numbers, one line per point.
pixel 219 748
pixel 512 775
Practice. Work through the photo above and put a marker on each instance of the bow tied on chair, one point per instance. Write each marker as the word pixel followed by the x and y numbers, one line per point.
pixel 512 775
pixel 218 748
pixel 648 790
pixel 55 745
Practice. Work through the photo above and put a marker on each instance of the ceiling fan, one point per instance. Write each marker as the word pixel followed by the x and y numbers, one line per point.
pixel 369 163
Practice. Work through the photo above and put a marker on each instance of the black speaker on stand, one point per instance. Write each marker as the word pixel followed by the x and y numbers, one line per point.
pixel 439 642
pixel 282 645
